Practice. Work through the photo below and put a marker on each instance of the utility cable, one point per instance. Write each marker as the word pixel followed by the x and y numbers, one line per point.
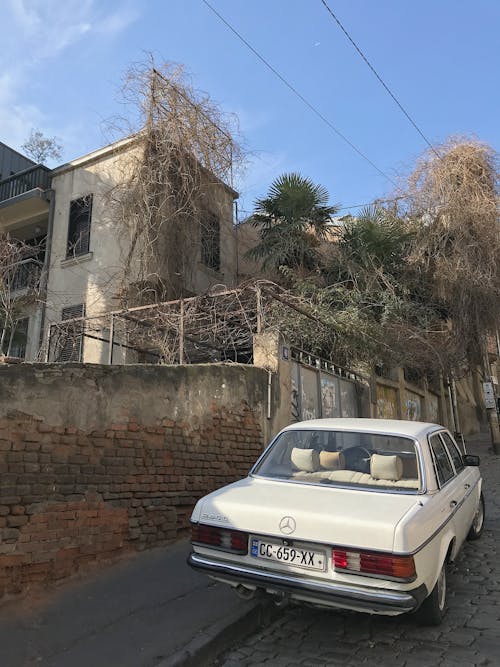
pixel 386 87
pixel 297 93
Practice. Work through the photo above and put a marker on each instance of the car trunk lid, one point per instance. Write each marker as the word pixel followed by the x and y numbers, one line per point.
pixel 358 518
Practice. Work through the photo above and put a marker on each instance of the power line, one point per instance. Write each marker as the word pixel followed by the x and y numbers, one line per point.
pixel 296 92
pixel 329 10
pixel 349 206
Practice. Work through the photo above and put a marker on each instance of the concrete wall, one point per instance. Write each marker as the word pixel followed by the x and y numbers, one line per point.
pixel 98 461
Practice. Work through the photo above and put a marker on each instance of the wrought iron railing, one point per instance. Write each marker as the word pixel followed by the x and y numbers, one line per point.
pixel 24 181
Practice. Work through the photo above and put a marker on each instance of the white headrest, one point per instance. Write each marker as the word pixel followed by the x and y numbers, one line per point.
pixel 332 460
pixel 306 460
pixel 386 467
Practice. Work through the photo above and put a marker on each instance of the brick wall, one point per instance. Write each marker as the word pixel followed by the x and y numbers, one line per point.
pixel 120 467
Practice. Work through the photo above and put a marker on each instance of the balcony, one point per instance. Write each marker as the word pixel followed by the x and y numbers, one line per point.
pixel 23 197
pixel 24 278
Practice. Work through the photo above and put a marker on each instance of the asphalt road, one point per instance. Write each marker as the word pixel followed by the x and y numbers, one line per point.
pixel 469 635
pixel 136 613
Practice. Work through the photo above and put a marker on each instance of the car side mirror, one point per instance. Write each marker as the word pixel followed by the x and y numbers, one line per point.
pixel 470 460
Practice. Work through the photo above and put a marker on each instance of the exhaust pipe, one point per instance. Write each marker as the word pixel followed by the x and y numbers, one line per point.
pixel 244 592
pixel 280 599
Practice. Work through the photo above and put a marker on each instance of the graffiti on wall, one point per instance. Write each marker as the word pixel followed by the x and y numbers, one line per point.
pixel 412 406
pixel 387 402
pixel 316 393
pixel 309 393
pixel 432 406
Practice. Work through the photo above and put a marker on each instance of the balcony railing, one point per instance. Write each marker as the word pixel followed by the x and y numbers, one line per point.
pixel 24 276
pixel 24 181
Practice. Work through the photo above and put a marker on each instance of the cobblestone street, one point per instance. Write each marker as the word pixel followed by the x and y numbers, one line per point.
pixel 469 634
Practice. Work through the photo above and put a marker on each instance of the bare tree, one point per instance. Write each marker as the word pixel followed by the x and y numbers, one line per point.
pixel 41 148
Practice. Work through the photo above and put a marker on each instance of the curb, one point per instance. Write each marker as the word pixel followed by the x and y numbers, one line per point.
pixel 214 639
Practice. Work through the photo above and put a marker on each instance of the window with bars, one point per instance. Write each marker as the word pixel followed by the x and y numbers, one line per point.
pixel 210 241
pixel 70 343
pixel 80 215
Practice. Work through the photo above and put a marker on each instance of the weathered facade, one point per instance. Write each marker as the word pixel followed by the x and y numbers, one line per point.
pixel 82 267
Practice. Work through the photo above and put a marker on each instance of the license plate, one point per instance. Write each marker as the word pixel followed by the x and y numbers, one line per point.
pixel 306 558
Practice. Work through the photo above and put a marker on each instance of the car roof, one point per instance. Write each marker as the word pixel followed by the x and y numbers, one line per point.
pixel 413 429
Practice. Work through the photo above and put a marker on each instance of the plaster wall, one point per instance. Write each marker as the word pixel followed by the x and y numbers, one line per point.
pixel 95 279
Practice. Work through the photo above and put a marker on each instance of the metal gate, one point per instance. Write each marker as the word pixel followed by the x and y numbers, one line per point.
pixel 322 389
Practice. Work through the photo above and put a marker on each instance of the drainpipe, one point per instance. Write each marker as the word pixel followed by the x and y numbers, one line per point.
pixel 46 267
pixel 456 416
pixel 452 412
pixel 269 378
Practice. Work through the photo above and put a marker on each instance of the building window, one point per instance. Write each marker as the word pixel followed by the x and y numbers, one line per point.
pixel 69 343
pixel 15 338
pixel 80 214
pixel 210 241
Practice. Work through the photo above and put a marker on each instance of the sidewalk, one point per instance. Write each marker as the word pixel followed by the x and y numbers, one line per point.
pixel 149 611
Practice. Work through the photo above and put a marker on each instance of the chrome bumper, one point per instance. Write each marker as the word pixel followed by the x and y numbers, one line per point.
pixel 326 593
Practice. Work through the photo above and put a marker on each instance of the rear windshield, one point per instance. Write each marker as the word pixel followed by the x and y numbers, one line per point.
pixel 342 458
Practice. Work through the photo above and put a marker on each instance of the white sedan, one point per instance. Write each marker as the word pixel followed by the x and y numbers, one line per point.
pixel 357 514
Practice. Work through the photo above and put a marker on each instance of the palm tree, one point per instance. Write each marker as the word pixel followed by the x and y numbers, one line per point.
pixel 293 219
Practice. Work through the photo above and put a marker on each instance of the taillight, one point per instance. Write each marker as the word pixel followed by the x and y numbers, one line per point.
pixel 376 564
pixel 220 538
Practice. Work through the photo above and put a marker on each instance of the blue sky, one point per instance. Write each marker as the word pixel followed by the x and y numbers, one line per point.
pixel 62 61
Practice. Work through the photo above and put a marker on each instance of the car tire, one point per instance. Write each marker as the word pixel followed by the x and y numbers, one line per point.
pixel 477 526
pixel 433 608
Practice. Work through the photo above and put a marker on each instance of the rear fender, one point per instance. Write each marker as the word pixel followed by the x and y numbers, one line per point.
pixel 446 553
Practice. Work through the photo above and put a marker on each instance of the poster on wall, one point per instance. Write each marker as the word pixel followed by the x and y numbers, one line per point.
pixel 330 403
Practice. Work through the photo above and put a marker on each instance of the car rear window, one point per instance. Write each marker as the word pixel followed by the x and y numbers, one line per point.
pixel 341 458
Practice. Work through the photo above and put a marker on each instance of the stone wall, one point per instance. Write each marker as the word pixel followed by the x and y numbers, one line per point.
pixel 97 461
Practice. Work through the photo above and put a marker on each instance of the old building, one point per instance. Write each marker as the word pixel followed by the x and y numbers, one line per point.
pixel 79 257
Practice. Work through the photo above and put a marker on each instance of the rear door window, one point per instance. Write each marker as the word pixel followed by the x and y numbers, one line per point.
pixel 456 457
pixel 442 462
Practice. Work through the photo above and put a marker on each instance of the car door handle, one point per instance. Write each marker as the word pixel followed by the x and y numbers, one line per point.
pixel 466 486
pixel 453 503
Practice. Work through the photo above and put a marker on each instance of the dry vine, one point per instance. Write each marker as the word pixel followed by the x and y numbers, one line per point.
pixel 20 272
pixel 455 199
pixel 175 187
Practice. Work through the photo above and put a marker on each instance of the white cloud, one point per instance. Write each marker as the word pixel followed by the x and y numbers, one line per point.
pixel 33 32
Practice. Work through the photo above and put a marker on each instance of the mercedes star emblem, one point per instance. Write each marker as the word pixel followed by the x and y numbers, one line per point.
pixel 287 525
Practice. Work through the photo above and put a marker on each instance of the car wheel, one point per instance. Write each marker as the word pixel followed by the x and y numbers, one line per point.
pixel 478 522
pixel 433 608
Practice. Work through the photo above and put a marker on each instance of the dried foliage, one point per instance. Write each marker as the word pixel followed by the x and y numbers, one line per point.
pixel 20 273
pixel 174 186
pixel 454 203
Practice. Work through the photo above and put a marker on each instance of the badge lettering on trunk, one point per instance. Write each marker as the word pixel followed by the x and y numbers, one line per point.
pixel 287 525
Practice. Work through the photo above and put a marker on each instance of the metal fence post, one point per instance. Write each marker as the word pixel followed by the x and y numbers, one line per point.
pixel 258 294
pixel 111 339
pixel 181 333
